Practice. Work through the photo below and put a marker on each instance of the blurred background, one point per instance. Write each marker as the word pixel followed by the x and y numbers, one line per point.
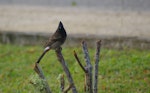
pixel 111 20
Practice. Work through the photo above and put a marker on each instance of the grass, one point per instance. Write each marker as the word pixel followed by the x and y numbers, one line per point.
pixel 120 71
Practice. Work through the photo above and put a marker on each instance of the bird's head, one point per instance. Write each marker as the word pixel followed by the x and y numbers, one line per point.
pixel 61 29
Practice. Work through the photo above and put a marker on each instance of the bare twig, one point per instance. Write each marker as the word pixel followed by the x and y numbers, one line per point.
pixel 79 62
pixel 62 83
pixel 67 89
pixel 89 68
pixel 38 70
pixel 86 82
pixel 97 55
pixel 65 68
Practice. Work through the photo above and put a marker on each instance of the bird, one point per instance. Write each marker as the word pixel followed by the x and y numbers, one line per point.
pixel 55 41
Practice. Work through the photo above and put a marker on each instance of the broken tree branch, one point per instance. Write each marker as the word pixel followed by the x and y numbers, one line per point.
pixel 65 68
pixel 89 68
pixel 62 83
pixel 97 55
pixel 79 62
pixel 67 89
pixel 39 71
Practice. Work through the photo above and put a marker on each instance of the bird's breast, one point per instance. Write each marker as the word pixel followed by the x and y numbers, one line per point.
pixel 56 45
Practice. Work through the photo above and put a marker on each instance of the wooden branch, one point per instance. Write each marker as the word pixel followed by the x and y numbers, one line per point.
pixel 39 71
pixel 62 83
pixel 65 68
pixel 79 62
pixel 67 89
pixel 89 68
pixel 86 86
pixel 97 55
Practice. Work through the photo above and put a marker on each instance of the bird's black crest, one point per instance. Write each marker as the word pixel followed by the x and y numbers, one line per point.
pixel 60 26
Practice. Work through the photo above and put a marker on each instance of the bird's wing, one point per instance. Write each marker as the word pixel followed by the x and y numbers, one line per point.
pixel 56 37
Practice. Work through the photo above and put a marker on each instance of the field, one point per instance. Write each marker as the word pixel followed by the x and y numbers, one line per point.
pixel 120 71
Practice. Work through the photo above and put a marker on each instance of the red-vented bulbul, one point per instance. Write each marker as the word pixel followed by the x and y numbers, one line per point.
pixel 55 41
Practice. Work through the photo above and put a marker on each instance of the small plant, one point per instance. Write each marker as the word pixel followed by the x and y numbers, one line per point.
pixel 38 83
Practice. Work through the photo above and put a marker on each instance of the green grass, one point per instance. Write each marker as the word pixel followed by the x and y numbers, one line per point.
pixel 120 71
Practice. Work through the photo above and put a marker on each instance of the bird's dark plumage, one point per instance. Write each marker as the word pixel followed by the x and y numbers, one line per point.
pixel 58 38
pixel 55 41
